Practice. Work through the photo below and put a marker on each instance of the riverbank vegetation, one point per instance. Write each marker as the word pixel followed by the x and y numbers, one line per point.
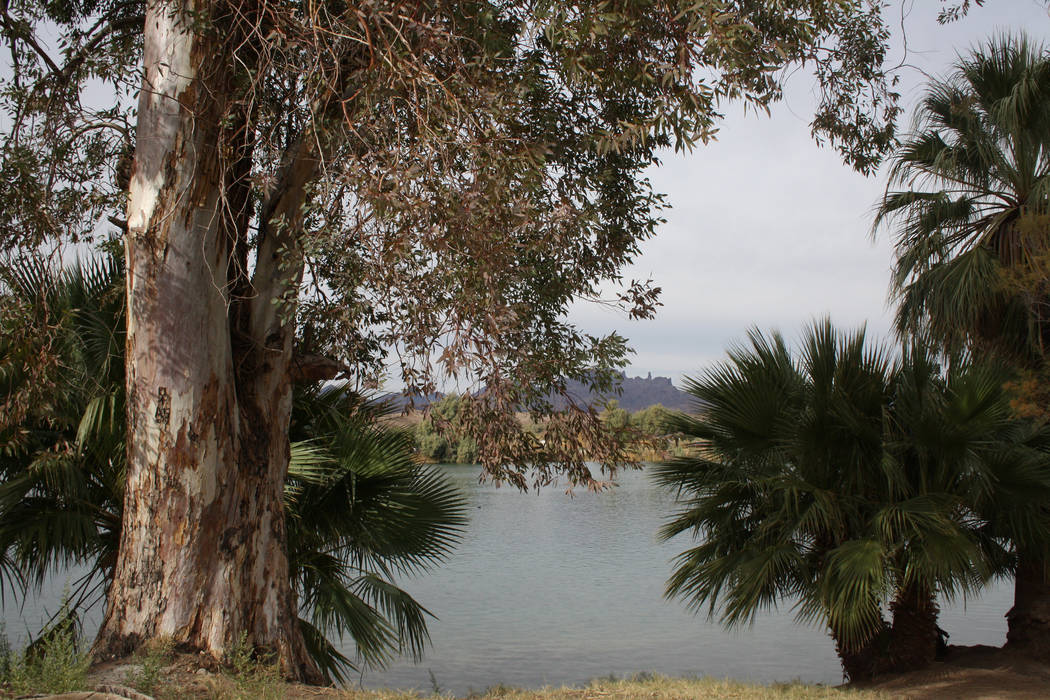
pixel 442 436
pixel 302 192
pixel 158 671
pixel 161 673
pixel 308 191
pixel 642 688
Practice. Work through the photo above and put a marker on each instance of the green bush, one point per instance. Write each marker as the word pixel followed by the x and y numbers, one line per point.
pixel 146 678
pixel 55 662
pixel 253 678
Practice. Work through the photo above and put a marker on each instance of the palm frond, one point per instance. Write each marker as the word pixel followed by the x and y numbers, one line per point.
pixel 845 473
pixel 360 508
pixel 977 160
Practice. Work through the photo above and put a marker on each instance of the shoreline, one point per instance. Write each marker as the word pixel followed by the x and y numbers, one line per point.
pixel 966 673
pixel 971 672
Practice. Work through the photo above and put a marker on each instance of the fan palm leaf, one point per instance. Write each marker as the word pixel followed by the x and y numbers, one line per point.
pixel 843 476
pixel 62 483
pixel 975 166
pixel 360 509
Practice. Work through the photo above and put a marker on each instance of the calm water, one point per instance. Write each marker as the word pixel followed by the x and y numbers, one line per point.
pixel 548 589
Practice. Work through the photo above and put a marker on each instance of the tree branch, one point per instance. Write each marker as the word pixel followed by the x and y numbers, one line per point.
pixel 14 29
pixel 93 42
pixel 309 367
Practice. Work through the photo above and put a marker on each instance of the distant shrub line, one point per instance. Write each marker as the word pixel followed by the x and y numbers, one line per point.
pixel 442 438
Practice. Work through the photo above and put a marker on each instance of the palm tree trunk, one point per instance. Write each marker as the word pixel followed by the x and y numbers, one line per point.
pixel 1029 619
pixel 861 662
pixel 914 633
pixel 908 643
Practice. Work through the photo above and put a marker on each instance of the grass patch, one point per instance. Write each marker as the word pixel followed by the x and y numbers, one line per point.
pixel 146 679
pixel 648 686
pixel 250 678
pixel 56 662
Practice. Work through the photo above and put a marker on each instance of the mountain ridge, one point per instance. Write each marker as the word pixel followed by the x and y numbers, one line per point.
pixel 636 394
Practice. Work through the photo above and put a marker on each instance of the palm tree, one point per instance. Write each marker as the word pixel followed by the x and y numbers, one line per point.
pixel 976 179
pixel 360 508
pixel 973 264
pixel 843 479
pixel 62 456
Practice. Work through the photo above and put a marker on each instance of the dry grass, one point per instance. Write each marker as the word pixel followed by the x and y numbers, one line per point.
pixel 646 687
pixel 661 688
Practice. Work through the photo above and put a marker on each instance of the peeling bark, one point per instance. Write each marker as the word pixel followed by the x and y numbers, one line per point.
pixel 202 556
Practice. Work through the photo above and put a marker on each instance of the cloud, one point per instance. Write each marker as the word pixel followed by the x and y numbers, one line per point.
pixel 769 230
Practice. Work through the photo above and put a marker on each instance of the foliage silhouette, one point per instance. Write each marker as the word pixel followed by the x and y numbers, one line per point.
pixel 844 478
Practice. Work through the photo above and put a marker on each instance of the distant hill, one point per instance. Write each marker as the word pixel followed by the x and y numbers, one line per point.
pixel 638 393
pixel 401 402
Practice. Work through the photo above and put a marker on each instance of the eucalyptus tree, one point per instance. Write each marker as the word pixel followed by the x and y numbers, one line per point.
pixel 309 185
pixel 844 479
pixel 360 508
pixel 973 267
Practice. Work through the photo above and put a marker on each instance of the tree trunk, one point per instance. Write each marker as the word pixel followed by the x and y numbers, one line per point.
pixel 908 643
pixel 860 662
pixel 1029 619
pixel 202 556
pixel 914 633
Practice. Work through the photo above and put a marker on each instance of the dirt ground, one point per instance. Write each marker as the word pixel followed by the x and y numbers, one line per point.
pixel 972 673
pixel 967 673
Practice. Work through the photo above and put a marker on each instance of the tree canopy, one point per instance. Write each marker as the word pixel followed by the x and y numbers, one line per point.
pixel 460 171
pixel 314 190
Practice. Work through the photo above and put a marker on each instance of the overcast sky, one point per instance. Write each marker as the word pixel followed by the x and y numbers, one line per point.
pixel 767 229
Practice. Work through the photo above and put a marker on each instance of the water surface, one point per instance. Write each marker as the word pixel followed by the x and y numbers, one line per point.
pixel 548 589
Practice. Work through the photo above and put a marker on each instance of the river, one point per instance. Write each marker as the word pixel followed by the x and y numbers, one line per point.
pixel 551 589
pixel 548 589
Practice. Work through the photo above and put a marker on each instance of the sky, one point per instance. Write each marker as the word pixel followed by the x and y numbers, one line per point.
pixel 769 230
